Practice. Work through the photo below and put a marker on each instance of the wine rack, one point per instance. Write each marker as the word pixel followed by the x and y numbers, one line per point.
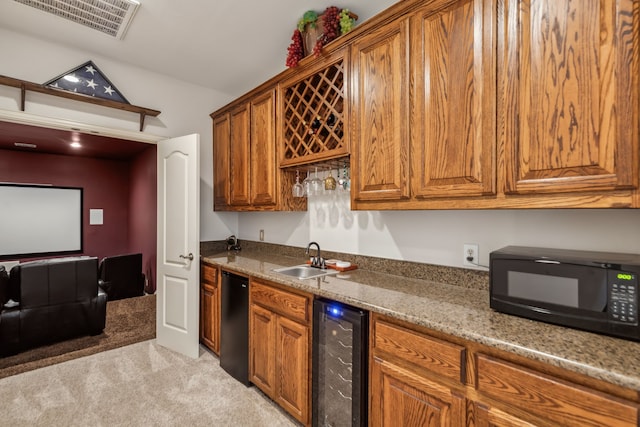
pixel 314 117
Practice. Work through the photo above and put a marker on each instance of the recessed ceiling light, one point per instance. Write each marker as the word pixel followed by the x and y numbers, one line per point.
pixel 25 145
pixel 76 145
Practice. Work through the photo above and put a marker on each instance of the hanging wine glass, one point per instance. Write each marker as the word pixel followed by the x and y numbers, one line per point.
pixel 316 183
pixel 306 185
pixel 298 189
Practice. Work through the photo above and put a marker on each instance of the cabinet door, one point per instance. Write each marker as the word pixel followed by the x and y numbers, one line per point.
pixel 293 358
pixel 262 349
pixel 221 158
pixel 240 156
pixel 402 398
pixel 380 151
pixel 569 77
pixel 263 150
pixel 453 142
pixel 209 317
pixel 210 308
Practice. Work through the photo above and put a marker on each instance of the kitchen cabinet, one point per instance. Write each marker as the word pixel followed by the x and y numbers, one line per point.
pixel 569 96
pixel 453 147
pixel 244 154
pixel 402 398
pixel 221 157
pixel 380 106
pixel 245 170
pixel 424 107
pixel 239 156
pixel 210 308
pixel 550 399
pixel 312 105
pixel 534 104
pixel 263 173
pixel 425 376
pixel 413 378
pixel 469 104
pixel 280 347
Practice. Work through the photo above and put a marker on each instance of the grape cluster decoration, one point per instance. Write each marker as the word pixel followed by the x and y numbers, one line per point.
pixel 335 22
pixel 295 49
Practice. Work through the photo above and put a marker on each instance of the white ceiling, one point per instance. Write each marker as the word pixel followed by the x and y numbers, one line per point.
pixel 227 45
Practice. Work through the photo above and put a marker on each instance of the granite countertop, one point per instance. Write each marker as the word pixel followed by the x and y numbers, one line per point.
pixel 457 311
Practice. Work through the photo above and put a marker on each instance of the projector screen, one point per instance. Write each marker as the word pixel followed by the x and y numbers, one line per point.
pixel 37 220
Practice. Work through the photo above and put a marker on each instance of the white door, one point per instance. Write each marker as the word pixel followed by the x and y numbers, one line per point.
pixel 178 251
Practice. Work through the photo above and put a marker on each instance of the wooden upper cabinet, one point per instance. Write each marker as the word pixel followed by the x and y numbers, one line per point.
pixel 221 157
pixel 240 156
pixel 263 150
pixel 453 63
pixel 246 176
pixel 380 113
pixel 313 113
pixel 570 86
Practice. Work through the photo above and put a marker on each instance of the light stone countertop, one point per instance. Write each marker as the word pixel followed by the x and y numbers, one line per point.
pixel 457 311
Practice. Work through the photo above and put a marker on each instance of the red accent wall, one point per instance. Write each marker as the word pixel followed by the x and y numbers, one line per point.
pixel 142 218
pixel 112 185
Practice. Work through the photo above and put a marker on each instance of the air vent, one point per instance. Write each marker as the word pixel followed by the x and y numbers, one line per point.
pixel 111 17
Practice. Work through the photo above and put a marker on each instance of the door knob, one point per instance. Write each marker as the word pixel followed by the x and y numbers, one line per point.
pixel 189 257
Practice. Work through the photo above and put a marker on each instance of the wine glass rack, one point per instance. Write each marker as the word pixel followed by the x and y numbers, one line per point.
pixel 313 117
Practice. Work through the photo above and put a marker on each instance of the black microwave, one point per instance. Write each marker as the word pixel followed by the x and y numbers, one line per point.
pixel 593 291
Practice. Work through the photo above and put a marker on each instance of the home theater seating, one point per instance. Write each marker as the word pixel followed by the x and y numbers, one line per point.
pixel 51 300
pixel 121 276
pixel 56 299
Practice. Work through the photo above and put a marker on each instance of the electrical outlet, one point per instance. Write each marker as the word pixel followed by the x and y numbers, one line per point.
pixel 470 255
pixel 262 235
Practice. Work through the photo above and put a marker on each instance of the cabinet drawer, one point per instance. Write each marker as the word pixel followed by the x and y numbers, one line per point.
pixel 551 398
pixel 290 305
pixel 209 274
pixel 440 357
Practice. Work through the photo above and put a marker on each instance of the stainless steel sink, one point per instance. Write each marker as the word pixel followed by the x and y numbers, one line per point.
pixel 304 271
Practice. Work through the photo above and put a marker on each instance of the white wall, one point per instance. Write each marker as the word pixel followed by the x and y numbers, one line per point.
pixel 424 236
pixel 438 237
pixel 185 108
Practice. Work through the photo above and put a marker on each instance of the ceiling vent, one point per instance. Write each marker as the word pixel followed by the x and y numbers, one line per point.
pixel 111 17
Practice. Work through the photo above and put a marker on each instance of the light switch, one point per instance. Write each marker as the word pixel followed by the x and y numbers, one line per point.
pixel 95 217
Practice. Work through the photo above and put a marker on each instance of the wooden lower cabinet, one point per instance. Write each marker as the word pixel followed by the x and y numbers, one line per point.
pixel 292 367
pixel 210 308
pixel 413 383
pixel 262 357
pixel 399 397
pixel 550 399
pixel 280 347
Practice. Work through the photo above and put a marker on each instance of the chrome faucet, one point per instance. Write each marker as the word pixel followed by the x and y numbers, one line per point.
pixel 316 261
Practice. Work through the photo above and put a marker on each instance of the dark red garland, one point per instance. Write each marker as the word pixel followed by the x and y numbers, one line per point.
pixel 295 49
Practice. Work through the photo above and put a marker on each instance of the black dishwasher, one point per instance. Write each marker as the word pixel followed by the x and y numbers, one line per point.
pixel 234 326
pixel 339 364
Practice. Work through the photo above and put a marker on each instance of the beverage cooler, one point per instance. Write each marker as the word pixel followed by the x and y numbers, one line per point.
pixel 339 364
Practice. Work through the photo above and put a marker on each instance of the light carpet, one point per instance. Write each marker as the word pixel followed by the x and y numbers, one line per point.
pixel 142 384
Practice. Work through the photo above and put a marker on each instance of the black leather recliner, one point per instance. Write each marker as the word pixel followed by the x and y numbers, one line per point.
pixel 121 276
pixel 57 299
